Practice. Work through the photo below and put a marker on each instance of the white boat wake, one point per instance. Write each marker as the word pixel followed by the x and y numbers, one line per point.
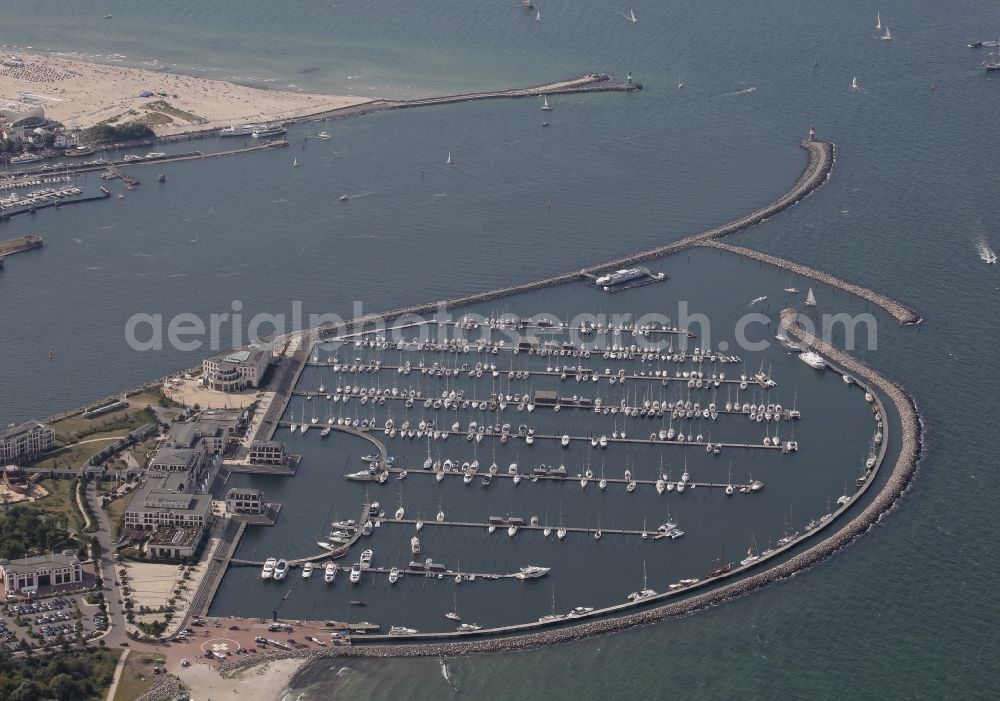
pixel 746 91
pixel 445 672
pixel 987 254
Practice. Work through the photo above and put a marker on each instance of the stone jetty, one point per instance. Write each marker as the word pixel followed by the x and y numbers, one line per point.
pixel 902 314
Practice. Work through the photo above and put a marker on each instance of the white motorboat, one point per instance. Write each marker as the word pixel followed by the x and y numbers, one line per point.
pixel 280 570
pixel 355 573
pixel 330 572
pixel 532 571
pixel 268 571
pixel 307 570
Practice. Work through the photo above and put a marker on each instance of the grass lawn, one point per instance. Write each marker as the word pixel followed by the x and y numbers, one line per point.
pixel 121 421
pixel 137 677
pixel 78 454
pixel 62 501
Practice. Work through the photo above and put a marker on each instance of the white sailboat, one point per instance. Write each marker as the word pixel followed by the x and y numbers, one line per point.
pixel 810 298
pixel 631 16
pixel 295 163
pixel 878 20
pixel 538 16
pixel 449 161
pixel 545 103
pixel 888 35
pixel 854 83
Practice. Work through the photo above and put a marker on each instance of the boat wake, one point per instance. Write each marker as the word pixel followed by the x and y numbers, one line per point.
pixel 745 91
pixel 446 673
pixel 987 254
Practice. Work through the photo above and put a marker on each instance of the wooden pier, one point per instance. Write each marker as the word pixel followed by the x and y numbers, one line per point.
pixel 575 479
pixel 502 528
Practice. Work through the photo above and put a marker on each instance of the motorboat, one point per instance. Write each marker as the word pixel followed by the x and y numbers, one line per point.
pixel 268 571
pixel 330 572
pixel 532 571
pixel 307 570
pixel 280 570
pixel 355 573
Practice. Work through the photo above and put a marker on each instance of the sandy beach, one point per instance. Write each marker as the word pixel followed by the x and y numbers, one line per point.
pixel 264 682
pixel 81 94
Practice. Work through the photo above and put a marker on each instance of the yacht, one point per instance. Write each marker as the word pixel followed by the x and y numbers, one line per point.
pixel 415 545
pixel 401 630
pixel 580 611
pixel 307 570
pixel 268 570
pixel 280 570
pixel 268 130
pixel 532 572
pixel 323 135
pixel 813 360
pixel 355 573
pixel 330 572
pixel 469 627
pixel 366 558
pixel 393 575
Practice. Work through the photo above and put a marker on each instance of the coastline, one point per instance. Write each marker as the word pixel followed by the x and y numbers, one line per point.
pixel 81 94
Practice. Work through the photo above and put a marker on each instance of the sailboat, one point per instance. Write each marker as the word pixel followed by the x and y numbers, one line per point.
pixel 295 163
pixel 854 83
pixel 878 20
pixel 888 35
pixel 545 103
pixel 645 592
pixel 631 16
pixel 449 161
pixel 453 614
pixel 810 298
pixel 538 16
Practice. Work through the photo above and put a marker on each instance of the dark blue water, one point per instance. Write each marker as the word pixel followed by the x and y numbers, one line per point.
pixel 905 612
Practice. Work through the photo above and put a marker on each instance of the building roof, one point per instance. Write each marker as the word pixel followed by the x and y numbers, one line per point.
pixel 253 491
pixel 165 494
pixel 266 444
pixel 42 563
pixel 9 432
pixel 172 456
pixel 177 536
pixel 243 357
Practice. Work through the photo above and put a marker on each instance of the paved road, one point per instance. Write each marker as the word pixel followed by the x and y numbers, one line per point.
pixel 116 614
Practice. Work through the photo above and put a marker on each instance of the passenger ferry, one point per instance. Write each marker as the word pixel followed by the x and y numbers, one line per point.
pixel 245 130
pixel 25 158
pixel 268 130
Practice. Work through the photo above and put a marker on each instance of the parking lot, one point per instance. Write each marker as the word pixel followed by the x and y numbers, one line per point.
pixel 50 620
